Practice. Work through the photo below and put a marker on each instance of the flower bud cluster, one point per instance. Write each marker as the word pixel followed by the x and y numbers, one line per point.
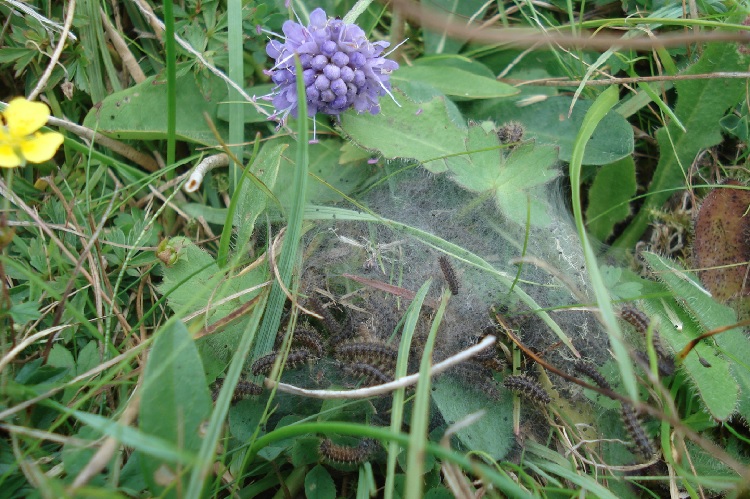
pixel 340 68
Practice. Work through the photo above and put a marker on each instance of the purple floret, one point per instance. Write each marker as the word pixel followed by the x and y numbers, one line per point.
pixel 342 69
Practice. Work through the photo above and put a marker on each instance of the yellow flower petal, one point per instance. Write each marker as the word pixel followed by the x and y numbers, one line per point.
pixel 41 147
pixel 8 157
pixel 23 117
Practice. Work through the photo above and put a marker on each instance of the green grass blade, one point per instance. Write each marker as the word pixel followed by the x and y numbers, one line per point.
pixel 288 257
pixel 421 414
pixel 598 110
pixel 171 57
pixel 219 415
pixel 397 408
pixel 504 483
pixel 236 74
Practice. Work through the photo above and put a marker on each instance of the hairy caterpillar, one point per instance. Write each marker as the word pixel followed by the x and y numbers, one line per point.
pixel 308 338
pixel 336 331
pixel 243 390
pixel 477 376
pixel 635 318
pixel 636 431
pixel 592 372
pixel 372 374
pixel 347 454
pixel 487 357
pixel 665 365
pixel 510 132
pixel 450 275
pixel 526 386
pixel 641 322
pixel 372 353
pixel 264 364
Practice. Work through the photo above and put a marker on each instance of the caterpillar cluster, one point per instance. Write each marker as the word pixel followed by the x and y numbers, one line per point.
pixel 373 361
pixel 527 387
pixel 307 342
pixel 346 454
pixel 450 275
pixel 243 390
pixel 487 357
pixel 337 332
pixel 306 337
pixel 629 417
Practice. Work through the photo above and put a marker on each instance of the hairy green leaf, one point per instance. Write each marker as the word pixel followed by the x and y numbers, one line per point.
pixel 696 313
pixel 701 104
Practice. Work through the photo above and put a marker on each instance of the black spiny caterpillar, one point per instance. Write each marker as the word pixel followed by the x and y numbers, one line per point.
pixel 264 364
pixel 526 386
pixel 336 331
pixel 592 372
pixel 450 275
pixel 635 318
pixel 478 376
pixel 379 354
pixel 243 390
pixel 636 431
pixel 347 454
pixel 372 374
pixel 308 338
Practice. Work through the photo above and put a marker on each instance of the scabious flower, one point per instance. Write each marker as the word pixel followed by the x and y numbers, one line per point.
pixel 340 68
pixel 20 140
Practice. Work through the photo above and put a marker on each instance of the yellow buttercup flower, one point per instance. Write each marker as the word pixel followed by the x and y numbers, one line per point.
pixel 20 140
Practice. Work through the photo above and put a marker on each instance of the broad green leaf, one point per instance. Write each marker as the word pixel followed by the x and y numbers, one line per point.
pixel 421 131
pixel 609 195
pixel 209 213
pixel 710 315
pixel 205 285
pixel 548 122
pixel 507 177
pixel 319 484
pixel 455 82
pixel 25 312
pixel 715 385
pixel 493 433
pixel 157 447
pixel 473 155
pixel 88 358
pixel 698 312
pixel 175 400
pixel 121 115
pixel 701 104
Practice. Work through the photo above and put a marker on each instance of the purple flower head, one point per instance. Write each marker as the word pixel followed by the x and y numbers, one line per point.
pixel 341 68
